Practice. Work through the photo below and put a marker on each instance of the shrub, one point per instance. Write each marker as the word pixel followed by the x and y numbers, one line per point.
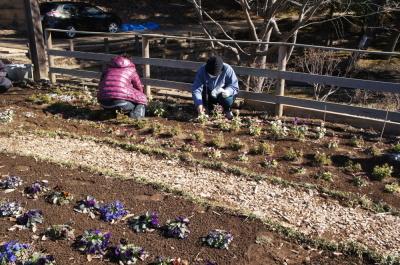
pixel 169 261
pixel 299 132
pixel 218 239
pixel 60 232
pixel 144 223
pixel 10 209
pixel 357 141
pixel 278 129
pixel 6 116
pixel 381 172
pixel 243 157
pixel 203 118
pixel 10 182
pixel 392 188
pixel 213 153
pixel 236 122
pixel 293 155
pixel 326 175
pixel 127 254
pixel 352 168
pixel 396 148
pixel 218 141
pixel 270 163
pixel 374 150
pixel 94 242
pixel 359 181
pixel 298 170
pixel 40 99
pixel 263 149
pixel 224 125
pixel 155 129
pixel 333 144
pixel 139 123
pixel 112 212
pixel 157 108
pixel 59 197
pixel 236 144
pixel 173 131
pixel 188 148
pixel 199 136
pixel 177 228
pixel 321 131
pixel 322 159
pixel 255 130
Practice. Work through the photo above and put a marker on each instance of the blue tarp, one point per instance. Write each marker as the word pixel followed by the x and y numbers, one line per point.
pixel 139 26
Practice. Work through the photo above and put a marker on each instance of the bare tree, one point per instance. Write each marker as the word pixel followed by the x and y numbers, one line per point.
pixel 263 23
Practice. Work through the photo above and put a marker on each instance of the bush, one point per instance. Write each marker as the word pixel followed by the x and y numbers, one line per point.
pixel 293 155
pixel 218 141
pixel 373 150
pixel 199 136
pixel 327 176
pixel 381 172
pixel 333 144
pixel 392 188
pixel 322 159
pixel 270 163
pixel 155 129
pixel 173 131
pixel 157 108
pixel 263 149
pixel 396 148
pixel 243 157
pixel 351 167
pixel 236 144
pixel 357 141
pixel 359 181
pixel 278 129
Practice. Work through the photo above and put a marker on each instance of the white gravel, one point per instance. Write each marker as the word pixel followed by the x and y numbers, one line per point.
pixel 303 210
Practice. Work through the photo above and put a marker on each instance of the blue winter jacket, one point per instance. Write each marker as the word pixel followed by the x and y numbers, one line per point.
pixel 227 80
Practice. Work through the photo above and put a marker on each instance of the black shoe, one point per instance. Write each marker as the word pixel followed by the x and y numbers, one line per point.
pixel 229 115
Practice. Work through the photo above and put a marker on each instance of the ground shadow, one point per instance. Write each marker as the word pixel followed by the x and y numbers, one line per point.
pixel 68 111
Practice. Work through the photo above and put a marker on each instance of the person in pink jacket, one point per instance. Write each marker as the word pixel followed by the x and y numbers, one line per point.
pixel 120 88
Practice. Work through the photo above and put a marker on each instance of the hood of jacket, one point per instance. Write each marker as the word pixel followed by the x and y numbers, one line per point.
pixel 121 62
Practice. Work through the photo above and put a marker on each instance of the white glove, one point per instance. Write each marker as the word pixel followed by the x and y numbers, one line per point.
pixel 216 91
pixel 226 93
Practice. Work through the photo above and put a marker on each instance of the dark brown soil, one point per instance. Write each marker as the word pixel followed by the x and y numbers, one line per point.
pixel 54 117
pixel 270 248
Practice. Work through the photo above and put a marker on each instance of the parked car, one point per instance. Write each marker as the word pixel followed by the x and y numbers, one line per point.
pixel 74 17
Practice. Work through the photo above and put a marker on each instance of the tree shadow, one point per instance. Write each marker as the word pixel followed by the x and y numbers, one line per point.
pixel 69 111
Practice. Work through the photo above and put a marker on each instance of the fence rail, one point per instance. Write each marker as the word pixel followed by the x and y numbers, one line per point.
pixel 279 100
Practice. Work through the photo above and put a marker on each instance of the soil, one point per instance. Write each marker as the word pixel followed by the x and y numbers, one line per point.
pixel 89 120
pixel 253 242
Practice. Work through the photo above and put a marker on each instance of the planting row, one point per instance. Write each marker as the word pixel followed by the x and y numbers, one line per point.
pixel 94 243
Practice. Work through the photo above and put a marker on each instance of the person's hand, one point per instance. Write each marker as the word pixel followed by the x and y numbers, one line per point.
pixel 200 109
pixel 216 91
pixel 226 93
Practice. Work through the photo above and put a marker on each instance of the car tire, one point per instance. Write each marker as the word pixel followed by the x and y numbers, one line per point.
pixel 71 32
pixel 113 27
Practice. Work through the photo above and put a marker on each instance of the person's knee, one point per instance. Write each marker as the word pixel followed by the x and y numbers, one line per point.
pixel 138 112
pixel 5 85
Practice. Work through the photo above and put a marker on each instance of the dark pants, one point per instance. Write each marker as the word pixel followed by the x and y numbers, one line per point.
pixel 5 84
pixel 135 111
pixel 210 102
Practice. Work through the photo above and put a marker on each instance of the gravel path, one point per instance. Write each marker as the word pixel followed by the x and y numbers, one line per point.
pixel 303 210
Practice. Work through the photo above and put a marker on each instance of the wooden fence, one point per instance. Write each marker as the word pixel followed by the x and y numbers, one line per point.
pixel 279 99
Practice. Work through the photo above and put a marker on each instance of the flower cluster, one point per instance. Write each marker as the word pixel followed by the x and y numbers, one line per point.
pixel 321 131
pixel 10 182
pixel 113 211
pixel 30 219
pixel 59 197
pixel 177 228
pixel 10 209
pixel 37 188
pixel 38 258
pixel 278 129
pixel 127 254
pixel 88 206
pixel 94 242
pixel 6 116
pixel 169 261
pixel 13 252
pixel 218 239
pixel 60 232
pixel 144 223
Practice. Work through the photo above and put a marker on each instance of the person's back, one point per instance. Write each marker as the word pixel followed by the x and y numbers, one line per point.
pixel 120 88
pixel 5 83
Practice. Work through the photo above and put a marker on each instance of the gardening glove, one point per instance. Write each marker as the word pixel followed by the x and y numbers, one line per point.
pixel 216 91
pixel 226 93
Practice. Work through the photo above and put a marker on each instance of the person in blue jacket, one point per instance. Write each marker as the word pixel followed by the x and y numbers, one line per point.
pixel 215 83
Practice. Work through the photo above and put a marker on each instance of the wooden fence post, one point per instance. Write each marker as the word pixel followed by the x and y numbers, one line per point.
pixel 106 45
pixel 146 67
pixel 49 42
pixel 36 43
pixel 137 43
pixel 71 45
pixel 280 88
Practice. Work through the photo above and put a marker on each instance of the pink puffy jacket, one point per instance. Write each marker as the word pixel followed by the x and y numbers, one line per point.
pixel 121 81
